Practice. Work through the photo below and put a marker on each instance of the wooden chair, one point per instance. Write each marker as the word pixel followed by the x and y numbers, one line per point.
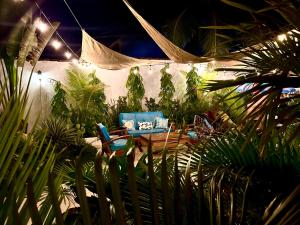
pixel 109 144
pixel 200 128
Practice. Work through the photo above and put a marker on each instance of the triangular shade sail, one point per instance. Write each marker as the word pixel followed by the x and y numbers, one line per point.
pixel 106 58
pixel 174 53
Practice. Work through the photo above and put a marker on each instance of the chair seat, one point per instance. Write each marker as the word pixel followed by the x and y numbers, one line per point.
pixel 192 134
pixel 118 144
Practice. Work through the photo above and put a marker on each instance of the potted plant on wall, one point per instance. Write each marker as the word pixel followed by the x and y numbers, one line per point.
pixel 136 89
pixel 167 91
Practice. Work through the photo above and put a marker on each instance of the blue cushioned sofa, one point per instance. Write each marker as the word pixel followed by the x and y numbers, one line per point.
pixel 141 117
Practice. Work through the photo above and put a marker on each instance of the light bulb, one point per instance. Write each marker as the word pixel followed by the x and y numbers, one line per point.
pixel 56 44
pixel 40 25
pixel 213 62
pixel 281 37
pixel 75 61
pixel 135 71
pixel 68 55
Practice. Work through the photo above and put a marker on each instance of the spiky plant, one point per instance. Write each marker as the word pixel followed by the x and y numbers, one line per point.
pixel 26 164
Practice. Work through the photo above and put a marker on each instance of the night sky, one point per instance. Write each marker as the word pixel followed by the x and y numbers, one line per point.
pixel 111 23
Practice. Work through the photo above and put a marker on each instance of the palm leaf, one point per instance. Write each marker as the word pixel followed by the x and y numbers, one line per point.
pixel 286 212
pixel 239 6
pixel 287 10
pixel 274 66
pixel 27 44
pixel 42 41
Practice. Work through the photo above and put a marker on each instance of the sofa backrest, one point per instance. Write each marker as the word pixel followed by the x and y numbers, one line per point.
pixel 139 117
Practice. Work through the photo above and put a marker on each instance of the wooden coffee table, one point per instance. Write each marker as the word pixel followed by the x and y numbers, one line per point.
pixel 158 140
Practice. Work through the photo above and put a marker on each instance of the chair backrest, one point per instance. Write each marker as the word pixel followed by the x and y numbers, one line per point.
pixel 202 122
pixel 103 132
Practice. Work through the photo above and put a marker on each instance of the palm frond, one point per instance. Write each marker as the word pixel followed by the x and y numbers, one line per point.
pixel 271 68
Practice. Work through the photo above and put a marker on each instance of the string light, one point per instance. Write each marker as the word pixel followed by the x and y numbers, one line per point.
pixel 135 71
pixel 56 44
pixel 68 55
pixel 40 25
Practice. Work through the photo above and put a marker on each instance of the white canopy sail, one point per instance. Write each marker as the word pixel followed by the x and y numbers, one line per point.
pixel 174 53
pixel 106 58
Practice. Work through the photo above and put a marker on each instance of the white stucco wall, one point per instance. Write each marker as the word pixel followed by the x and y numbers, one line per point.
pixel 41 87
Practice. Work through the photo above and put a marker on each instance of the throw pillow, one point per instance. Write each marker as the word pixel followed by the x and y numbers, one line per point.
pixel 145 125
pixel 161 122
pixel 128 124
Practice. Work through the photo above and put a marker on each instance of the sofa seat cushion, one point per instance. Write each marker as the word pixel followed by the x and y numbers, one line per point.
pixel 118 144
pixel 137 133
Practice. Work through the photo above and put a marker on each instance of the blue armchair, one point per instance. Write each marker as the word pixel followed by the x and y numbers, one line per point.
pixel 109 144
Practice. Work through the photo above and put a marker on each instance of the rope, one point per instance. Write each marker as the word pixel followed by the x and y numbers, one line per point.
pixel 73 14
pixel 60 37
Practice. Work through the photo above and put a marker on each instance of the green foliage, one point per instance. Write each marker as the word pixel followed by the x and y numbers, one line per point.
pixel 223 180
pixel 24 161
pixel 271 65
pixel 59 102
pixel 151 105
pixel 82 103
pixel 231 105
pixel 167 91
pixel 136 89
pixel 203 187
pixel 115 108
pixel 192 83
pixel 68 142
pixel 178 113
pixel 276 173
pixel 191 104
pixel 57 132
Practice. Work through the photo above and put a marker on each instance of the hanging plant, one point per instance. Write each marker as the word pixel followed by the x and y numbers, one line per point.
pixel 167 91
pixel 136 89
